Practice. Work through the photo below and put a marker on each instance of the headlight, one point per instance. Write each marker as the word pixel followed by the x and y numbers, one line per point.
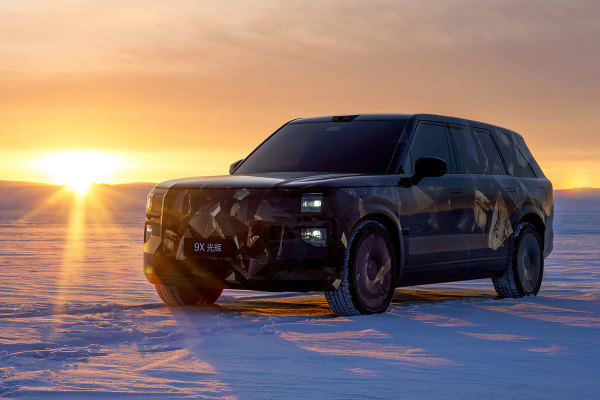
pixel 311 203
pixel 314 236
pixel 154 203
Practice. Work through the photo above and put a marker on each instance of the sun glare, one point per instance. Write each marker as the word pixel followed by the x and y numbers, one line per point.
pixel 79 169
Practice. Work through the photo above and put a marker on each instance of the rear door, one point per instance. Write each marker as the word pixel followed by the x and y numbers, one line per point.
pixel 436 205
pixel 486 225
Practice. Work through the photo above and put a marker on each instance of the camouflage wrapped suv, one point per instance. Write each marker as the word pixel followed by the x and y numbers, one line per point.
pixel 355 206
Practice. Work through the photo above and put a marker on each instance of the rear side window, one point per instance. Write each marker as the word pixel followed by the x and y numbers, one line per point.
pixel 429 141
pixel 476 152
pixel 516 161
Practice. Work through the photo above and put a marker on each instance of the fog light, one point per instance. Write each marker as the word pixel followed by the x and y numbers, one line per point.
pixel 148 232
pixel 311 203
pixel 314 236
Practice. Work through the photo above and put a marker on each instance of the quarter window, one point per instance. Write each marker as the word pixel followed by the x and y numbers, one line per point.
pixel 516 162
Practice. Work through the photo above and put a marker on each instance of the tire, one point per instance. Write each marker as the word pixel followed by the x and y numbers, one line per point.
pixel 176 296
pixel 368 280
pixel 525 264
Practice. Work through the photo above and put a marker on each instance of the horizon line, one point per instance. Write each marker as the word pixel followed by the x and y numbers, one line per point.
pixel 155 183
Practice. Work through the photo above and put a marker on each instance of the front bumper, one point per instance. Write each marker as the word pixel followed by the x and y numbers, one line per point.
pixel 265 226
pixel 280 275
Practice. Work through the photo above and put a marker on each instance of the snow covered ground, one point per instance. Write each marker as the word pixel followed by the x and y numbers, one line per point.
pixel 77 318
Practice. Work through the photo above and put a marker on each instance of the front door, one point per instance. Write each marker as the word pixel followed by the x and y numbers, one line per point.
pixel 436 206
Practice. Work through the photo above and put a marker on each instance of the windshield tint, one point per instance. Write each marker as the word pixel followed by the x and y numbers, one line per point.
pixel 346 147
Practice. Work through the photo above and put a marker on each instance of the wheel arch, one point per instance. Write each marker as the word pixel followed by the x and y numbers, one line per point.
pixel 392 225
pixel 533 216
pixel 535 220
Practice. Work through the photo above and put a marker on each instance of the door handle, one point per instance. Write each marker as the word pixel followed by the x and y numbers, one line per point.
pixel 455 190
pixel 510 189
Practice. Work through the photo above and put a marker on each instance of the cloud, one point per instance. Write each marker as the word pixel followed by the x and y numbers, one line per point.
pixel 198 36
pixel 124 74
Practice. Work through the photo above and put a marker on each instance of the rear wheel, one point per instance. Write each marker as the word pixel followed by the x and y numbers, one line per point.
pixel 525 267
pixel 175 296
pixel 368 280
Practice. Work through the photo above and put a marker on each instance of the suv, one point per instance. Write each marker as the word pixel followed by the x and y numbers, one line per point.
pixel 355 206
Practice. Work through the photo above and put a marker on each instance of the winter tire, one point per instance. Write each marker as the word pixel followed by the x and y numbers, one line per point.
pixel 175 296
pixel 368 280
pixel 525 265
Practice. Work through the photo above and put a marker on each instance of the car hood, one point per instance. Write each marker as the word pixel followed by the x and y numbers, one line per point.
pixel 279 180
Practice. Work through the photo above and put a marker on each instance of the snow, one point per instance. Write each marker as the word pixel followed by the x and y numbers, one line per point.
pixel 77 318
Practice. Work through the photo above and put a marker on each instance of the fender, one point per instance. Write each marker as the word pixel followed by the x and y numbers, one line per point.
pixel 528 208
pixel 381 213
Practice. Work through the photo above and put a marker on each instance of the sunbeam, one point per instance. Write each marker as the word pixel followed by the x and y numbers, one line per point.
pixel 73 254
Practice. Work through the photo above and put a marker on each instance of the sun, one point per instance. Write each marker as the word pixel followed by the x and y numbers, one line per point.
pixel 79 185
pixel 79 169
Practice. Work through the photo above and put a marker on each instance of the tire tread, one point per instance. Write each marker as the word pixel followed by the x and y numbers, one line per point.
pixel 172 297
pixel 506 284
pixel 340 300
pixel 169 295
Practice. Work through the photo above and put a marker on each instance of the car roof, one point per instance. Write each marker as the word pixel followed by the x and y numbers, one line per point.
pixel 398 116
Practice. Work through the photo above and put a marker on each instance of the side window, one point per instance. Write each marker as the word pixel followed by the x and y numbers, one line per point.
pixel 493 160
pixel 429 141
pixel 476 151
pixel 469 155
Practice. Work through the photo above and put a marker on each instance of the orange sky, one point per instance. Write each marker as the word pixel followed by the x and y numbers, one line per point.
pixel 183 88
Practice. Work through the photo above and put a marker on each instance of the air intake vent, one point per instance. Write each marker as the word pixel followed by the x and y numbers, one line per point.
pixel 343 118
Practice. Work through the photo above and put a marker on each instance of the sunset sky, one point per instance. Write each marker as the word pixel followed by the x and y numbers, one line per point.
pixel 166 89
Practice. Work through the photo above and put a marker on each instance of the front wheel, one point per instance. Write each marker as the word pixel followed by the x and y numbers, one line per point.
pixel 175 296
pixel 367 285
pixel 525 266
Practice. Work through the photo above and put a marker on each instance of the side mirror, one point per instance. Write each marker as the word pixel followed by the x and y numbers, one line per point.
pixel 234 165
pixel 430 167
pixel 425 167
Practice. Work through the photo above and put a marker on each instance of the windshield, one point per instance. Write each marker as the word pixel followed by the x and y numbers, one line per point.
pixel 332 147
